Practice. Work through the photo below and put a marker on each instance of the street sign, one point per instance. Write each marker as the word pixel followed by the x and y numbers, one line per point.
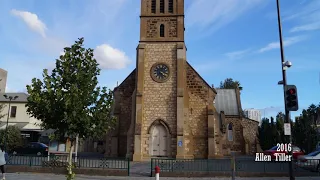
pixel 287 129
pixel 180 143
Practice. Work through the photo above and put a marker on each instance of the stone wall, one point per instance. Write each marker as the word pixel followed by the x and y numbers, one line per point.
pixel 124 102
pixel 250 135
pixel 153 24
pixel 197 132
pixel 238 142
pixel 244 136
pixel 159 99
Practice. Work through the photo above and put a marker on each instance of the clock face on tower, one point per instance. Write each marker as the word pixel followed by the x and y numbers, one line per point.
pixel 160 72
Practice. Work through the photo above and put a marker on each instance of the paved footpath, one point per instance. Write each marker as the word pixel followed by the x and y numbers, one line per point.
pixel 32 176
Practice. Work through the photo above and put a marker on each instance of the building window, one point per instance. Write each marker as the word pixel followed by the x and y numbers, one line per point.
pixel 13 111
pixel 161 6
pixel 170 7
pixel 161 30
pixel 230 133
pixel 153 6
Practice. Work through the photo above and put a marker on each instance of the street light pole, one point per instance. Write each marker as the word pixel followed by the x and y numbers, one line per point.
pixel 284 83
pixel 6 136
pixel 10 98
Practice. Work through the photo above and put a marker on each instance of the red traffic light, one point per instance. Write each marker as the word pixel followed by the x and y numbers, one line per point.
pixel 292 91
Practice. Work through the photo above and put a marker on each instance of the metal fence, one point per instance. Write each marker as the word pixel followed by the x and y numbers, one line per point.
pixel 62 161
pixel 242 165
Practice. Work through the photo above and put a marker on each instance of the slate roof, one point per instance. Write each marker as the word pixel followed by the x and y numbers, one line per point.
pixel 22 97
pixel 226 100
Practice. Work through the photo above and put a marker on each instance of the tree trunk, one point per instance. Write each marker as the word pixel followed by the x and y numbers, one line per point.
pixel 70 155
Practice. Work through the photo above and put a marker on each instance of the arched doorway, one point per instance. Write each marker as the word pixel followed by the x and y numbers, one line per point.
pixel 159 142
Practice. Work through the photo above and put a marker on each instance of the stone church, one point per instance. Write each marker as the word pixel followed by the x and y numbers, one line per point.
pixel 165 108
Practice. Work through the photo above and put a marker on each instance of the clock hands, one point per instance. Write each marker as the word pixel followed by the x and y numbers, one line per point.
pixel 160 72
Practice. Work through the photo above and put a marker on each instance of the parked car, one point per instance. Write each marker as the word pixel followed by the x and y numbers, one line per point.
pixel 310 161
pixel 296 152
pixel 33 148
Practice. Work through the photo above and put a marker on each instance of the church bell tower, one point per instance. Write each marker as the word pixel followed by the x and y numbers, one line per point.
pixel 160 81
pixel 162 21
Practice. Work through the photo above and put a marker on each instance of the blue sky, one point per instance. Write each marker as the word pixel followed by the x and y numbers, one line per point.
pixel 225 38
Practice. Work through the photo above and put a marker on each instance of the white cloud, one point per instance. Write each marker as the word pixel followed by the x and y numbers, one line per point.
pixel 306 27
pixel 62 28
pixel 306 16
pixel 110 58
pixel 32 21
pixel 286 42
pixel 237 54
pixel 218 13
pixel 301 10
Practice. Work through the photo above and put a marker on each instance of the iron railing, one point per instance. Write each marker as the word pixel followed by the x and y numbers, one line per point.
pixel 62 161
pixel 242 165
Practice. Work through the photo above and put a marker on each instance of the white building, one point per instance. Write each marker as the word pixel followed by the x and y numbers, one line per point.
pixel 253 114
pixel 18 116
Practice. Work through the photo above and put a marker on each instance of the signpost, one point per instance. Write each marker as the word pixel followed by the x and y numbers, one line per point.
pixel 287 129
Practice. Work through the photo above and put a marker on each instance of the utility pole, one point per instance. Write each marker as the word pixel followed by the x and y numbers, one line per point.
pixel 284 80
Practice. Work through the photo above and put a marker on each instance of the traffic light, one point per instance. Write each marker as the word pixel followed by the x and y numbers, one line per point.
pixel 291 98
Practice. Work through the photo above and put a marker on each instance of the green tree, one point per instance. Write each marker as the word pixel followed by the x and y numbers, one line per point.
pixel 305 133
pixel 273 132
pixel 270 132
pixel 313 112
pixel 280 128
pixel 13 136
pixel 229 83
pixel 264 134
pixel 69 100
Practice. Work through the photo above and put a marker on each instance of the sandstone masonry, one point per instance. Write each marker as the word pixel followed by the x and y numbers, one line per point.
pixel 176 117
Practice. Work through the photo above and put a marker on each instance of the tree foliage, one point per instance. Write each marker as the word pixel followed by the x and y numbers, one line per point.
pixel 304 131
pixel 229 83
pixel 280 118
pixel 271 131
pixel 13 136
pixel 264 135
pixel 69 100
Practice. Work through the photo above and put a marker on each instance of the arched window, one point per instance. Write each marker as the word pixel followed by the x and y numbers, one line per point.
pixel 161 30
pixel 161 6
pixel 230 132
pixel 170 7
pixel 153 6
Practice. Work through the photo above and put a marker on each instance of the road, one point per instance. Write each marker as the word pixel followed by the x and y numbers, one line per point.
pixel 28 176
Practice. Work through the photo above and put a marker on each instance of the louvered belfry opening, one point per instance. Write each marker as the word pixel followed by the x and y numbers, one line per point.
pixel 170 6
pixel 153 6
